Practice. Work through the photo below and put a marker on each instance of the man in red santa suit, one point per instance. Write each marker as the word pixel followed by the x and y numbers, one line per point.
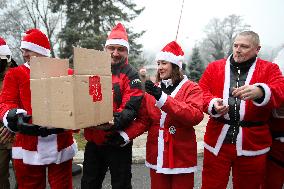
pixel 127 97
pixel 239 95
pixel 35 148
pixel 275 161
pixel 168 112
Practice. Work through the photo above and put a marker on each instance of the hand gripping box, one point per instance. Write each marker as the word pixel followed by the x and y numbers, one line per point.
pixel 72 101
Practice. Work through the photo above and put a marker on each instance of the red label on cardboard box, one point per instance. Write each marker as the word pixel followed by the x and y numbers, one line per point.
pixel 95 88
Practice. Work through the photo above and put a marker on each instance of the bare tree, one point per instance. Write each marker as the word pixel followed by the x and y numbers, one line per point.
pixel 220 35
pixel 21 15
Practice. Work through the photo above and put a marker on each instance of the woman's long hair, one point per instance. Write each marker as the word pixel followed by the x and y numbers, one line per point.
pixel 176 75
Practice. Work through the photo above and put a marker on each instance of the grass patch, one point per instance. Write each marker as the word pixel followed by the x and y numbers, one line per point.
pixel 79 137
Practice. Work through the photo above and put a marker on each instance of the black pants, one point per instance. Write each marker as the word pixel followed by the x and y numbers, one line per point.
pixel 97 160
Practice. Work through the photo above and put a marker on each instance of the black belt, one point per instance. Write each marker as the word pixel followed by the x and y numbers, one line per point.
pixel 240 123
pixel 36 130
pixel 277 134
pixel 277 161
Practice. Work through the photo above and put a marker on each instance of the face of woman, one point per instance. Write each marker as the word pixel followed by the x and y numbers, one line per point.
pixel 164 69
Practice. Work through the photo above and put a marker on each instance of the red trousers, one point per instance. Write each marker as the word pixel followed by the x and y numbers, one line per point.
pixel 171 181
pixel 34 176
pixel 248 172
pixel 275 169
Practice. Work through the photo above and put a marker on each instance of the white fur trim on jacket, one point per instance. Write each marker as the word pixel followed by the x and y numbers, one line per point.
pixel 5 122
pixel 117 42
pixel 4 50
pixel 35 48
pixel 210 107
pixel 267 94
pixel 215 150
pixel 162 100
pixel 125 137
pixel 46 153
pixel 170 57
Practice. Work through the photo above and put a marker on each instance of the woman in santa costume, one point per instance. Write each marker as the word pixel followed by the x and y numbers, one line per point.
pixel 240 93
pixel 168 112
pixel 35 148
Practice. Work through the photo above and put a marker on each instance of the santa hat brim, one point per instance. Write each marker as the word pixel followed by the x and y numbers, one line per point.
pixel 170 57
pixel 35 48
pixel 117 42
pixel 4 50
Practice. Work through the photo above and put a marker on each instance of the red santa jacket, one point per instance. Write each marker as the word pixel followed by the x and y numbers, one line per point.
pixel 215 83
pixel 276 124
pixel 171 142
pixel 127 97
pixel 33 150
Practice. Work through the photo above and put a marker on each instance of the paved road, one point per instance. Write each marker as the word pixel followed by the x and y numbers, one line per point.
pixel 140 179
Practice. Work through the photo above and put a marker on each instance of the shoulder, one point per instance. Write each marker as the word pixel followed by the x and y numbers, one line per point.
pixel 130 72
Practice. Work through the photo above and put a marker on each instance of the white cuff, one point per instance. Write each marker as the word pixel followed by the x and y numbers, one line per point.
pixel 267 93
pixel 162 100
pixel 5 122
pixel 125 137
pixel 210 107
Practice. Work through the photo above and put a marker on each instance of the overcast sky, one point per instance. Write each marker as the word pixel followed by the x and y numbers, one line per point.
pixel 160 20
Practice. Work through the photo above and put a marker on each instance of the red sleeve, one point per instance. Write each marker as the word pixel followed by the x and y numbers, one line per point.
pixel 9 97
pixel 141 124
pixel 205 84
pixel 188 110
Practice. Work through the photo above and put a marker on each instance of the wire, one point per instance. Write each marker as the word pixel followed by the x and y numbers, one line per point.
pixel 179 19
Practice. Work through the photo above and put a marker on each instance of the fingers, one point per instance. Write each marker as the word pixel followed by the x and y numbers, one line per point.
pixel 247 92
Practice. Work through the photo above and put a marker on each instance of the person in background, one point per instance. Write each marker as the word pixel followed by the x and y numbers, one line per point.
pixel 35 148
pixel 169 110
pixel 275 161
pixel 127 95
pixel 239 95
pixel 143 77
pixel 6 137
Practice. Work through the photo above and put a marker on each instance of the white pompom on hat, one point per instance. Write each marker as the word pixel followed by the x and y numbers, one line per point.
pixel 173 53
pixel 118 36
pixel 36 41
pixel 4 49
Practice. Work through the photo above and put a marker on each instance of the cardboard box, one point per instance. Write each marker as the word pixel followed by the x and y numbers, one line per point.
pixel 75 101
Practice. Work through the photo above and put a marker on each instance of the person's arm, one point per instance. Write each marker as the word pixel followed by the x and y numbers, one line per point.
pixel 188 110
pixel 131 98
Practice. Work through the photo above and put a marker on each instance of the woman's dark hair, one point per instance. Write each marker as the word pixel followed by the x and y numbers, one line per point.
pixel 3 65
pixel 176 75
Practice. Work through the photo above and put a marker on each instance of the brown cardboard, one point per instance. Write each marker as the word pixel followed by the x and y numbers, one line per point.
pixel 64 101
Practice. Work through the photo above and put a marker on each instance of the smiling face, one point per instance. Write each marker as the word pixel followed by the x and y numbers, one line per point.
pixel 244 48
pixel 164 69
pixel 118 53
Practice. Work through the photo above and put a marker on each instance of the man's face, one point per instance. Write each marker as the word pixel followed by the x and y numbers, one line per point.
pixel 118 53
pixel 27 54
pixel 244 48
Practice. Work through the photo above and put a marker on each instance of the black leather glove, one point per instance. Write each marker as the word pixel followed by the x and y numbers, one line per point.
pixel 153 90
pixel 15 120
pixel 114 139
pixel 122 119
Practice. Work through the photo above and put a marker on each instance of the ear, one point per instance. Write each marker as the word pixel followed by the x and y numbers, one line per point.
pixel 258 48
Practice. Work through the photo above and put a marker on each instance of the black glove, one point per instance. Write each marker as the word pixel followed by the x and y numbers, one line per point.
pixel 114 139
pixel 153 90
pixel 15 120
pixel 122 119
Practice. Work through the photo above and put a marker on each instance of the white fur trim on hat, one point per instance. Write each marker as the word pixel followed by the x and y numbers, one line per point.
pixel 35 48
pixel 117 42
pixel 170 57
pixel 4 50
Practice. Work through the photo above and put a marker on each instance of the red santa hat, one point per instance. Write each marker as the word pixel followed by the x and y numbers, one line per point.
pixel 118 36
pixel 36 41
pixel 4 49
pixel 173 53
